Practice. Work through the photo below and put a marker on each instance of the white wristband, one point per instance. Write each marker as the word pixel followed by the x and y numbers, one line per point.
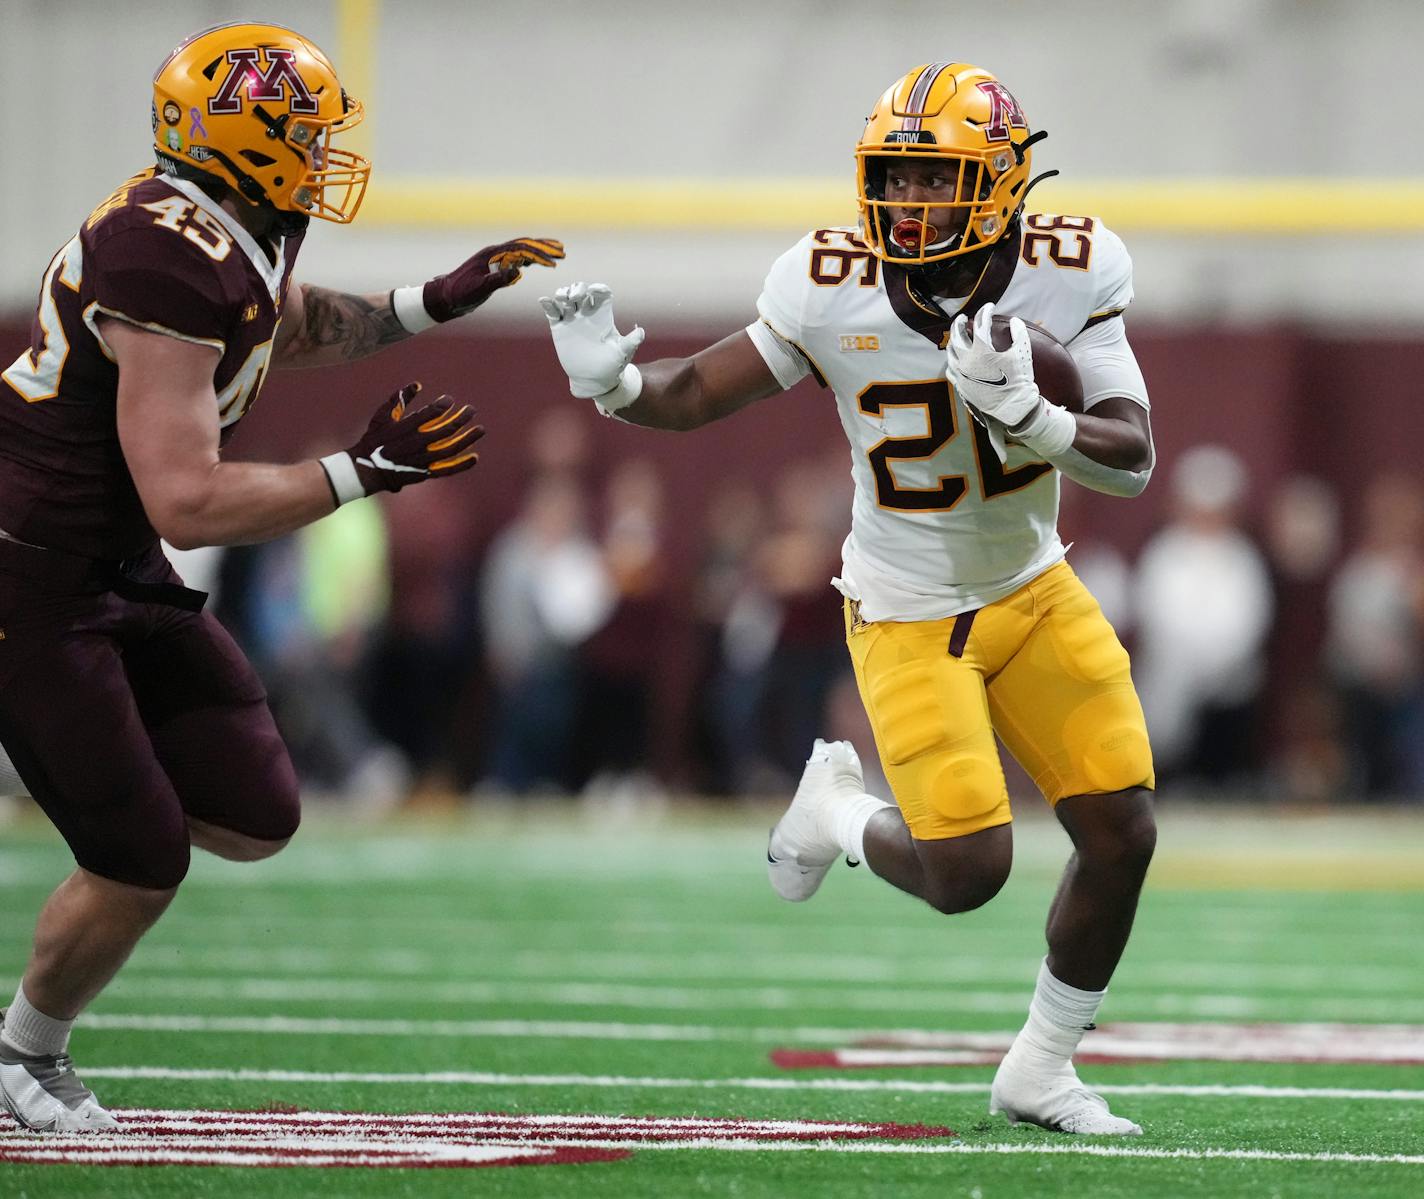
pixel 408 303
pixel 1048 432
pixel 341 475
pixel 630 387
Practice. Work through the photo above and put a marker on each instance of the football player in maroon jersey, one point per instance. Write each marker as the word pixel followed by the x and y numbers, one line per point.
pixel 134 721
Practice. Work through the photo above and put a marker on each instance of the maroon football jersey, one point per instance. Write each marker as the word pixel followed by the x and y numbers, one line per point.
pixel 162 255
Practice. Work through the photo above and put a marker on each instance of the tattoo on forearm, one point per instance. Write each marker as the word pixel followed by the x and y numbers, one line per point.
pixel 334 318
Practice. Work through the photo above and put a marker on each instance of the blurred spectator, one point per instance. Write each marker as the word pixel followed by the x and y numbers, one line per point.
pixel 620 661
pixel 545 590
pixel 1374 641
pixel 1100 564
pixel 1203 602
pixel 739 624
pixel 798 562
pixel 423 657
pixel 1305 754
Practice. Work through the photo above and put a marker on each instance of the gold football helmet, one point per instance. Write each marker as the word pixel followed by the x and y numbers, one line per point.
pixel 941 111
pixel 257 106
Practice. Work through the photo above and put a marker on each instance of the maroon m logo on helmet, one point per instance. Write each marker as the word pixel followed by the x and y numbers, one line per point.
pixel 271 85
pixel 1004 112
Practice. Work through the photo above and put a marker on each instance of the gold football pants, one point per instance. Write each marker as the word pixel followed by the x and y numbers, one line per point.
pixel 1042 668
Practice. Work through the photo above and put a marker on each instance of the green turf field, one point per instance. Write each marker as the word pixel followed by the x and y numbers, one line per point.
pixel 544 963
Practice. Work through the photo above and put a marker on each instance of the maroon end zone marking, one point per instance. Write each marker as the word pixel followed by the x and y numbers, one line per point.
pixel 276 1136
pixel 508 1126
pixel 805 1059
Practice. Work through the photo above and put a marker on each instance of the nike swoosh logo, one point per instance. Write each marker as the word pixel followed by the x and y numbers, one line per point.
pixel 378 461
pixel 999 382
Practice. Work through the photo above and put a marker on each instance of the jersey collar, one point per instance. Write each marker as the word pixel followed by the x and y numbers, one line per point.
pixel 926 317
pixel 268 270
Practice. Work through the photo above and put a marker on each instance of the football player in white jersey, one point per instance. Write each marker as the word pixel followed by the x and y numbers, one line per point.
pixel 962 617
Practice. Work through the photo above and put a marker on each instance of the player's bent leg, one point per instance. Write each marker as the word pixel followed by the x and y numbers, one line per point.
pixel 923 686
pixel 950 842
pixel 1066 707
pixel 206 714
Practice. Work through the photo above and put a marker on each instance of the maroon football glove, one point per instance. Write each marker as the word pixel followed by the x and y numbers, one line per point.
pixel 400 446
pixel 473 282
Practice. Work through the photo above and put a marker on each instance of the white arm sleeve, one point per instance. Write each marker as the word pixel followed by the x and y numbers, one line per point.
pixel 783 359
pixel 1107 364
pixel 1109 368
pixel 1110 480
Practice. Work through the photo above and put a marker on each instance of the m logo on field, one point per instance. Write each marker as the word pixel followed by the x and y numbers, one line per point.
pixel 270 84
pixel 1004 111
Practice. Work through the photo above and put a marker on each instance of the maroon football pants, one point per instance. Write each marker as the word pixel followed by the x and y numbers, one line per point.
pixel 124 718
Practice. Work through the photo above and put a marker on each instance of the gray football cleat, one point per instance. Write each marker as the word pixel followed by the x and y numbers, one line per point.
pixel 44 1093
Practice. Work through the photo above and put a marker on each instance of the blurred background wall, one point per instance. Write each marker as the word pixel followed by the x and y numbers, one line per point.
pixel 599 607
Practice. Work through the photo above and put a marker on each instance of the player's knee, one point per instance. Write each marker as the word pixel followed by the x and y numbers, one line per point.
pixel 966 872
pixel 1126 843
pixel 1136 841
pixel 965 892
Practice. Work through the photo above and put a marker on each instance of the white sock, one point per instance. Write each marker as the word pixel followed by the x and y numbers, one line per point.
pixel 849 820
pixel 1058 1017
pixel 29 1031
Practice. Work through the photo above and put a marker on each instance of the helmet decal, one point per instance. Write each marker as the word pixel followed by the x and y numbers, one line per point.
pixel 265 85
pixel 915 105
pixel 1004 111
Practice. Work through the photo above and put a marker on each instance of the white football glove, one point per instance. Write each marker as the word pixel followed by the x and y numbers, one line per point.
pixel 997 383
pixel 594 355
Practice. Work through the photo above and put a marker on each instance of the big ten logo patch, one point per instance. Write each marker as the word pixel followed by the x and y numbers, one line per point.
pixel 852 343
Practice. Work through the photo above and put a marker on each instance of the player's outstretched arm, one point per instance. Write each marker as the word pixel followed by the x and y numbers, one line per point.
pixel 168 429
pixel 672 393
pixel 321 326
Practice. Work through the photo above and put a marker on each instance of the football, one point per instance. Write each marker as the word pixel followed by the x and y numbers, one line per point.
pixel 1054 370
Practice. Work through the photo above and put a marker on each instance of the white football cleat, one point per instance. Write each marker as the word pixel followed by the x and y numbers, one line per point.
pixel 1058 1101
pixel 802 849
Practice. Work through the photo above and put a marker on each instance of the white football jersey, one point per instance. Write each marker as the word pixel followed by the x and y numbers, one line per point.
pixel 939 525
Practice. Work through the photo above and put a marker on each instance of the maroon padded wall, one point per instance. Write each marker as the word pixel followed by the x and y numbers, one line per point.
pixel 1284 399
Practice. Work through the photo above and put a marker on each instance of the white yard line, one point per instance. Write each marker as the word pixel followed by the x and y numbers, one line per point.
pixel 478 1078
pixel 1073 1150
pixel 774 963
pixel 1128 1002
